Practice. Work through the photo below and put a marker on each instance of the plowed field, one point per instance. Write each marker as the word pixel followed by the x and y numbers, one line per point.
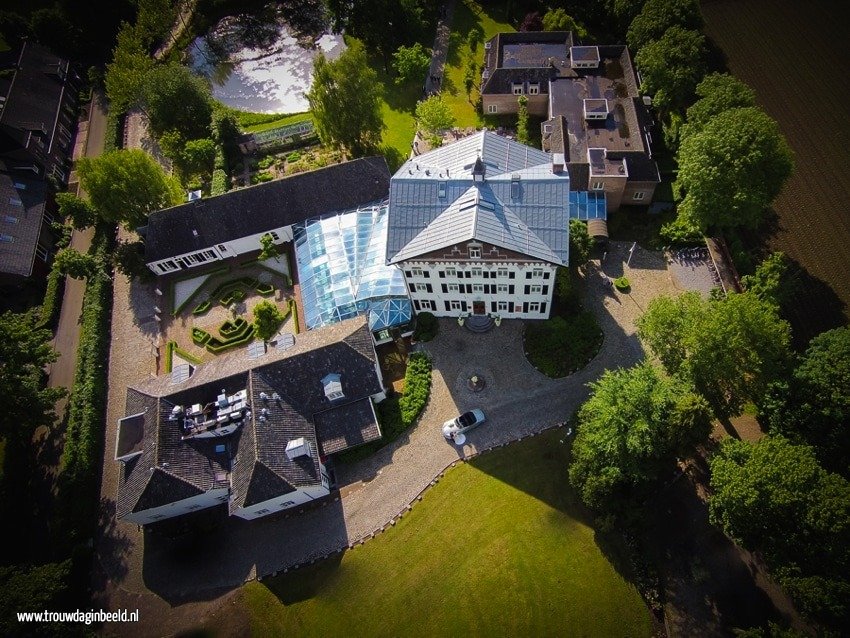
pixel 796 57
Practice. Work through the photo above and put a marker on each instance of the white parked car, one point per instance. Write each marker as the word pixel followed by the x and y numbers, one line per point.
pixel 464 423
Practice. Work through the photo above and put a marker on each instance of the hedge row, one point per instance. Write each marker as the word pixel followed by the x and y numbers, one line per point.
pixel 52 304
pixel 417 387
pixel 396 414
pixel 79 479
pixel 171 348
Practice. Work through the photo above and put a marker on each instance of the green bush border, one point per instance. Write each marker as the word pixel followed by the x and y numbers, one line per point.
pixel 82 456
pixel 200 336
pixel 265 290
pixel 178 309
pixel 51 307
pixel 202 308
pixel 397 414
pixel 293 308
pixel 171 348
pixel 560 346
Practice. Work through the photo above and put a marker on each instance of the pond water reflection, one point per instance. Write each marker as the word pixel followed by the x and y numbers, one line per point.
pixel 259 66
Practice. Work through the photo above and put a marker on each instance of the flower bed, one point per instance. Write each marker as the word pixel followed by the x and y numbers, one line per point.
pixel 200 336
pixel 265 290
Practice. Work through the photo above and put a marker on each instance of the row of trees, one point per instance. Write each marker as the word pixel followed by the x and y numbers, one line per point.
pixel 786 496
pixel 733 159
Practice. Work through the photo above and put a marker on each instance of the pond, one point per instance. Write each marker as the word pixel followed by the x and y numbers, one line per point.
pixel 259 66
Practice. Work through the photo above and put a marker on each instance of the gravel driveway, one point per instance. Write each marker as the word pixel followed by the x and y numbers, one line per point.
pixel 517 399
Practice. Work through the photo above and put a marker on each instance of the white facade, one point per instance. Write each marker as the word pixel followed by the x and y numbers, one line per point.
pixel 293 499
pixel 508 289
pixel 178 508
pixel 226 250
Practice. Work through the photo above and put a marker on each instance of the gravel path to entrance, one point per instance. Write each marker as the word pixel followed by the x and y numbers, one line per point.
pixel 139 570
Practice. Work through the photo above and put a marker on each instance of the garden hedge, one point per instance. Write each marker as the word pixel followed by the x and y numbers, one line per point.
pixel 52 304
pixel 417 387
pixel 81 463
pixel 202 308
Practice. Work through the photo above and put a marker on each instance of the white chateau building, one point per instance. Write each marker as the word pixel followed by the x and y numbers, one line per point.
pixel 479 227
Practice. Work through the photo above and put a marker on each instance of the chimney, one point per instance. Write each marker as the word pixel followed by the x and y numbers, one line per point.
pixel 557 163
pixel 478 171
pixel 297 447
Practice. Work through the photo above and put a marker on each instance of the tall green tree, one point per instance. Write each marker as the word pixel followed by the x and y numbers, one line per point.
pixel 125 75
pixel 624 12
pixel 76 264
pixel 125 186
pixel 581 243
pixel 733 169
pixel 79 212
pixel 267 319
pixel 717 92
pixel 633 427
pixel 411 63
pixel 558 20
pixel 657 16
pixel 672 66
pixel 268 250
pixel 774 496
pixel 345 102
pixel 771 281
pixel 813 406
pixel 175 99
pixel 434 115
pixel 730 349
pixel 198 156
pixel 25 350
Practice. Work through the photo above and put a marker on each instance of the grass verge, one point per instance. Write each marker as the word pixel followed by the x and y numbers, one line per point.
pixel 500 547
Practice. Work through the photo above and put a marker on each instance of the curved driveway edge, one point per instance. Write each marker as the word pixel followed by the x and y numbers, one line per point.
pixel 519 401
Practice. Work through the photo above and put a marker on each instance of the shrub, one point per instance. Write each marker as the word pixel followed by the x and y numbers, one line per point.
pixel 622 284
pixel 294 156
pixel 265 290
pixel 426 327
pixel 200 336
pixel 219 183
pixel 267 319
pixel 558 346
pixel 202 308
pixel 52 304
pixel 417 387
pixel 396 414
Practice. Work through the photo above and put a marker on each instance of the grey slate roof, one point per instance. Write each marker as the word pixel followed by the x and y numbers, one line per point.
pixel 341 428
pixel 530 217
pixel 263 207
pixel 33 111
pixel 20 222
pixel 261 470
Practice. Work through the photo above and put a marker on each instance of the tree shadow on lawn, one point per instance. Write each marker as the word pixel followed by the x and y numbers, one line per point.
pixel 813 306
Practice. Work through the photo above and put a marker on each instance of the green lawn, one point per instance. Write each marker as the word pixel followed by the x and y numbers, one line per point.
pixel 499 547
pixel 468 14
pixel 281 121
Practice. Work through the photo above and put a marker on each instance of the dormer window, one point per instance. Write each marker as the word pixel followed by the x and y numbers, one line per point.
pixel 533 89
pixel 517 89
pixel 475 252
pixel 333 387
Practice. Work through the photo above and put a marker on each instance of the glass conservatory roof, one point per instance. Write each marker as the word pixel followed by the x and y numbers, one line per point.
pixel 341 265
pixel 586 205
pixel 387 313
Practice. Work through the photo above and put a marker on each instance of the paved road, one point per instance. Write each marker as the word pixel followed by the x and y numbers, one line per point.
pixel 67 334
pixel 440 49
